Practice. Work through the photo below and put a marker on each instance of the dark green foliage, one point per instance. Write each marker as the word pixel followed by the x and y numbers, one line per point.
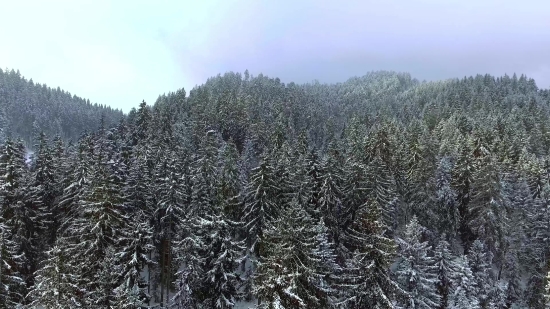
pixel 378 192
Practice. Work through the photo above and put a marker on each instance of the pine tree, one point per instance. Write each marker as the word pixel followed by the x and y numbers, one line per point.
pixel 446 197
pixel 131 260
pixel 183 298
pixel 462 182
pixel 416 161
pixel 547 290
pixel 11 281
pixel 43 190
pixel 261 205
pixel 313 183
pixel 56 282
pixel 480 264
pixel 513 292
pixel 367 280
pixel 447 270
pixel 416 270
pixel 383 186
pixel 213 255
pixel 137 191
pixel 103 295
pixel 140 131
pixel 485 216
pixel 19 219
pixel 331 198
pixel 94 230
pixel 297 262
pixel 221 255
pixel 168 218
pixel 383 191
pixel 229 186
pixel 78 181
pixel 464 293
pixel 355 189
pixel 213 226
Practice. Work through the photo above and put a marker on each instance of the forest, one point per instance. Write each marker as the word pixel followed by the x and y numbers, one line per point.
pixel 379 192
pixel 28 109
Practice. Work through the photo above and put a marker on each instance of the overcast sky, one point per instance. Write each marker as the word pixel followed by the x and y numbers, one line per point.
pixel 121 52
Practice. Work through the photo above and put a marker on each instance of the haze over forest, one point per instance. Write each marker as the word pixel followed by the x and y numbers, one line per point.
pixel 118 57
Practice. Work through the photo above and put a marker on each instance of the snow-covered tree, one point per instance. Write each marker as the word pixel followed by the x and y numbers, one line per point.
pixel 464 293
pixel 136 244
pixel 416 270
pixel 56 282
pixel 447 209
pixel 446 269
pixel 168 219
pixel 12 284
pixel 367 282
pixel 261 204
pixel 297 263
pixel 331 197
pixel 479 260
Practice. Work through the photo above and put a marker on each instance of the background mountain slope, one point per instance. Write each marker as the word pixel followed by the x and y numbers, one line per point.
pixel 28 108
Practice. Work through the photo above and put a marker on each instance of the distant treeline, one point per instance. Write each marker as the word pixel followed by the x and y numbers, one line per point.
pixel 28 108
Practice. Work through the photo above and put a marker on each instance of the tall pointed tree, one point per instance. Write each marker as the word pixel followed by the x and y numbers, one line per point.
pixel 416 270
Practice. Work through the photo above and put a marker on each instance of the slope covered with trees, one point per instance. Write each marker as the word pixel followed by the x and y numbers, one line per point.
pixel 28 108
pixel 379 192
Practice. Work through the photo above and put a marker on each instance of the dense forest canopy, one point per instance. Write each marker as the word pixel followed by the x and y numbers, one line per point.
pixel 28 108
pixel 378 192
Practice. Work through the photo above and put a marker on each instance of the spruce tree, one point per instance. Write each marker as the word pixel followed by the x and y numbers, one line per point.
pixel 367 282
pixel 449 270
pixel 416 270
pixel 136 244
pixel 56 282
pixel 261 205
pixel 12 284
pixel 479 260
pixel 297 263
pixel 19 218
pixel 465 291
pixel 447 210
pixel 95 229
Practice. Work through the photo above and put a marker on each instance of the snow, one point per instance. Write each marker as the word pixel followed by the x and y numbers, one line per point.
pixel 246 305
pixel 29 154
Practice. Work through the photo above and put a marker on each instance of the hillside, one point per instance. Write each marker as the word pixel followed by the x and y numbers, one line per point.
pixel 378 192
pixel 28 108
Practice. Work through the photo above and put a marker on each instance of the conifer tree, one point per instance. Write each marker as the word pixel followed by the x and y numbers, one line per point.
pixel 446 270
pixel 447 210
pixel 168 217
pixel 416 271
pixel 485 216
pixel 95 229
pixel 19 218
pixel 367 280
pixel 479 260
pixel 293 273
pixel 56 282
pixel 261 204
pixel 547 290
pixel 313 183
pixel 331 198
pixel 135 243
pixel 464 294
pixel 462 182
pixel 11 282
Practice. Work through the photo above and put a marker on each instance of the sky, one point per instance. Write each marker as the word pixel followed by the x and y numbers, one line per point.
pixel 119 53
